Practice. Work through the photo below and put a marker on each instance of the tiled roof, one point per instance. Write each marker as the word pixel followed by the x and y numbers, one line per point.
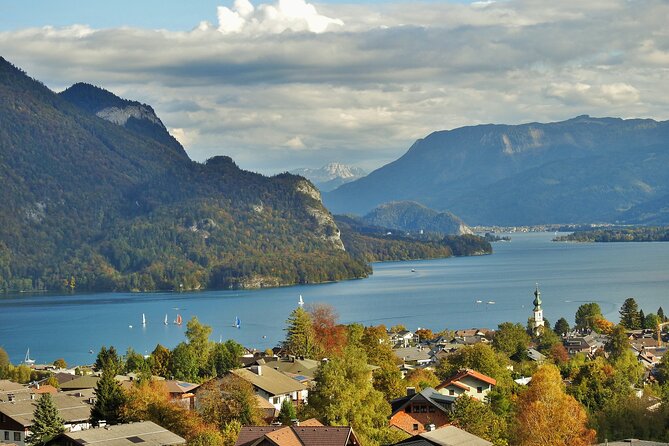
pixel 270 380
pixel 180 386
pixel 467 372
pixel 445 436
pixel 81 382
pixel 70 408
pixel 144 432
pixel 297 435
pixel 441 402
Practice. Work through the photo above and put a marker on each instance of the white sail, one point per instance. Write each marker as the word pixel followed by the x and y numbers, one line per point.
pixel 27 360
pixel 143 319
pixel 301 301
pixel 166 319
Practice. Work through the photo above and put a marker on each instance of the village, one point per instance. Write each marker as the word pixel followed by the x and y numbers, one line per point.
pixel 331 384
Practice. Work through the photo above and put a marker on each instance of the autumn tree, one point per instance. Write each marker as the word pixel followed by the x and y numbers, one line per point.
pixel 159 361
pixel 421 379
pixel 617 343
pixel 546 415
pixel 630 317
pixel 221 401
pixel 425 334
pixel 60 363
pixel 4 363
pixel 47 422
pixel 300 337
pixel 328 334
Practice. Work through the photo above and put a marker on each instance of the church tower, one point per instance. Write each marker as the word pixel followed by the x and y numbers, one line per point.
pixel 538 318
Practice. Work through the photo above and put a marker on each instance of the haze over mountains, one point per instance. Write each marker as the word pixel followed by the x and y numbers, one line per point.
pixel 581 170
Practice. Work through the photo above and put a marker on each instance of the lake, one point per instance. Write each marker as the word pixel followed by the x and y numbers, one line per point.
pixel 439 294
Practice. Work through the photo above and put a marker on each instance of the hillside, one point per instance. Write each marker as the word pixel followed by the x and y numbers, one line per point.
pixel 414 217
pixel 580 170
pixel 115 204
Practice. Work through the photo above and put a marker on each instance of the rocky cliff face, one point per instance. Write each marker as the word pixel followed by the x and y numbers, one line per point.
pixel 327 228
pixel 331 175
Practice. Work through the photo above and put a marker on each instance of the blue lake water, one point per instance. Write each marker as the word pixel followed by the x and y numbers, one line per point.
pixel 439 294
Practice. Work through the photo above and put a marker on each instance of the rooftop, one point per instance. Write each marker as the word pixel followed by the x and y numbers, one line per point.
pixel 270 380
pixel 145 432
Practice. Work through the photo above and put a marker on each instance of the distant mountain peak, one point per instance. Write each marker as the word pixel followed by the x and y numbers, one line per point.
pixel 331 176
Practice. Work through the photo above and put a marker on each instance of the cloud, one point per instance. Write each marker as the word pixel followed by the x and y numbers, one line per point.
pixel 364 91
pixel 293 15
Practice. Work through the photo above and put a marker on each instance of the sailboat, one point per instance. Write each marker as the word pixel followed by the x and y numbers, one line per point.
pixel 301 301
pixel 27 360
pixel 178 320
pixel 143 319
pixel 237 323
pixel 165 319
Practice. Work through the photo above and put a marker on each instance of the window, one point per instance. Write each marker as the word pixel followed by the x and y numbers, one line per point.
pixel 479 390
pixel 451 392
pixel 415 426
pixel 275 400
pixel 6 435
pixel 408 409
pixel 17 436
pixel 430 409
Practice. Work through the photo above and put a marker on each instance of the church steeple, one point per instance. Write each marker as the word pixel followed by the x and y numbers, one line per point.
pixel 537 299
pixel 538 313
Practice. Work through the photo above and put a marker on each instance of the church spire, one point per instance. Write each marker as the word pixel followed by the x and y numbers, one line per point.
pixel 537 299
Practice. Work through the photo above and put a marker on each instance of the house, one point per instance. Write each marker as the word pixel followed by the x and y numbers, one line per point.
pixel 307 433
pixel 291 364
pixel 145 432
pixel 11 391
pixel 467 382
pixel 632 442
pixel 536 356
pixel 80 383
pixel 587 344
pixel 16 417
pixel 273 385
pixel 418 355
pixel 182 393
pixel 445 436
pixel 416 411
pixel 402 338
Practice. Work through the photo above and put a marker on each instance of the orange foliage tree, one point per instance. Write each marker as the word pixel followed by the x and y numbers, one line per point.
pixel 329 335
pixel 546 415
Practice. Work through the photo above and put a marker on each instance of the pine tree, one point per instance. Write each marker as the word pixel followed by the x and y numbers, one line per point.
pixel 561 327
pixel 300 338
pixel 287 412
pixel 47 422
pixel 629 314
pixel 660 314
pixel 109 399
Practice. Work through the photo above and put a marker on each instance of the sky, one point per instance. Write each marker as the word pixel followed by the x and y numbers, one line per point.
pixel 282 84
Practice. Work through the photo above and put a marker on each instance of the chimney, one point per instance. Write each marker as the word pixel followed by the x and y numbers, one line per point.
pixel 295 422
pixel 32 396
pixel 430 427
pixel 411 391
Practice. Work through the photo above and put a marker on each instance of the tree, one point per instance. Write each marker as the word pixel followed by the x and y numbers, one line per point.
pixel 651 321
pixel 478 419
pixel 134 362
pixel 421 379
pixel 546 339
pixel 558 354
pixel 630 317
pixel 344 395
pixel 109 398
pixel 480 357
pixel 60 363
pixel 300 337
pixel 160 361
pixel 225 357
pixel 328 334
pixel 108 359
pixel 424 334
pixel 660 314
pixel 561 327
pixel 546 415
pixel 512 340
pixel 47 422
pixel 287 412
pixel 225 400
pixel 184 363
pixel 617 343
pixel 586 314
pixel 200 346
pixel 601 325
pixel 4 362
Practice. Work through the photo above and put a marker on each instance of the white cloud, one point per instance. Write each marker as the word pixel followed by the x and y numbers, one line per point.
pixel 394 73
pixel 293 15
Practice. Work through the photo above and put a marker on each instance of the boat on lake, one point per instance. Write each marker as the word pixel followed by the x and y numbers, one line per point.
pixel 237 323
pixel 178 320
pixel 27 359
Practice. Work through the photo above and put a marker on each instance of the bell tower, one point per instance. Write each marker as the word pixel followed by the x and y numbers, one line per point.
pixel 538 313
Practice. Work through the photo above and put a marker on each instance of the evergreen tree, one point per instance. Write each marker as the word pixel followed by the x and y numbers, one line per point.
pixel 287 412
pixel 109 399
pixel 642 318
pixel 108 359
pixel 160 361
pixel 561 327
pixel 4 362
pixel 629 314
pixel 617 343
pixel 225 357
pixel 47 422
pixel 512 340
pixel 300 338
pixel 660 314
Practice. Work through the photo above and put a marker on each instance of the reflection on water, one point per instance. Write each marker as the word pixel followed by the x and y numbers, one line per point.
pixel 439 294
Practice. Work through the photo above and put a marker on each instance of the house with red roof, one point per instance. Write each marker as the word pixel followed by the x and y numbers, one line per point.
pixel 307 433
pixel 467 382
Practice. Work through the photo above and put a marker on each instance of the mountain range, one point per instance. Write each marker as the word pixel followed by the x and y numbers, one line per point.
pixel 330 176
pixel 577 171
pixel 96 195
